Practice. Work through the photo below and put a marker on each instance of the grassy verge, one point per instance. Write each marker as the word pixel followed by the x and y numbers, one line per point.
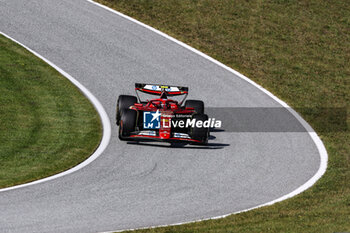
pixel 300 51
pixel 46 124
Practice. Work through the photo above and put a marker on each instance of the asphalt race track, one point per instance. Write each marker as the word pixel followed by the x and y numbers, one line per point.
pixel 140 185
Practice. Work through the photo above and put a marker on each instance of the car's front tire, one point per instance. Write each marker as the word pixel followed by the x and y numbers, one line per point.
pixel 200 133
pixel 123 103
pixel 127 123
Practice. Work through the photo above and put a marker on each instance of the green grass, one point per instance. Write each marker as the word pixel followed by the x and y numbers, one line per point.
pixel 46 124
pixel 298 50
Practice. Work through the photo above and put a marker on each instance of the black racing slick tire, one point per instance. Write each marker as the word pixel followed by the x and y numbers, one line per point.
pixel 127 123
pixel 123 103
pixel 198 105
pixel 200 133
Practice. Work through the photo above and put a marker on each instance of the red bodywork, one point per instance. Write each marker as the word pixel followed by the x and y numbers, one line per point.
pixel 167 109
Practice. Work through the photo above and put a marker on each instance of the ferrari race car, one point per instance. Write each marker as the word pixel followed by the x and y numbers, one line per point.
pixel 162 118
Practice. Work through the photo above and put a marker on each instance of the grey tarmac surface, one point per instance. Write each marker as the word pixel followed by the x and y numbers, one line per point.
pixel 131 186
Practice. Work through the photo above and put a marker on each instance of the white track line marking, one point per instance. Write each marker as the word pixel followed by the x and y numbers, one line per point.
pixel 98 106
pixel 319 144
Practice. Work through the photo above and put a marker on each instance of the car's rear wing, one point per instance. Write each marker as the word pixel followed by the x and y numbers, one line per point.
pixel 156 89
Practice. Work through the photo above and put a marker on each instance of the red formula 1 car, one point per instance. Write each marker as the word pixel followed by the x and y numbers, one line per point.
pixel 162 118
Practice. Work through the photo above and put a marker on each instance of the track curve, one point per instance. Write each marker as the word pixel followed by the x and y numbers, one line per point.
pixel 132 186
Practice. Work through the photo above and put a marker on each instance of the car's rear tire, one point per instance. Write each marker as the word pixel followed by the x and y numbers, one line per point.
pixel 200 133
pixel 127 123
pixel 198 105
pixel 123 103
